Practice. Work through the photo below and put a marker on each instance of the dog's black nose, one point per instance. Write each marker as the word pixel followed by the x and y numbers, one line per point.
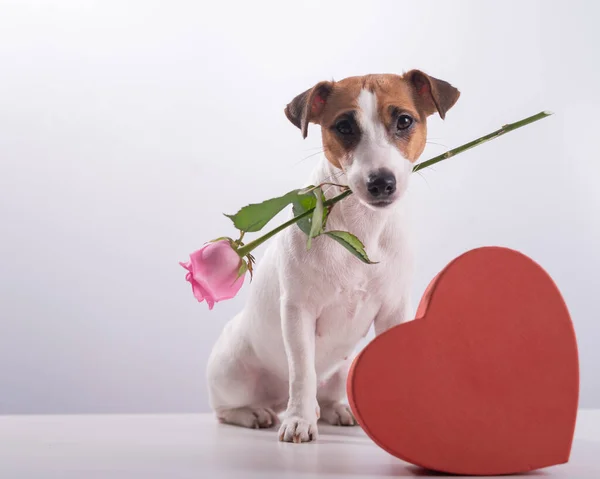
pixel 381 184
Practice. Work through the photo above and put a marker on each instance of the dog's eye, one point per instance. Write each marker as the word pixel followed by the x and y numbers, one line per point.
pixel 403 122
pixel 344 127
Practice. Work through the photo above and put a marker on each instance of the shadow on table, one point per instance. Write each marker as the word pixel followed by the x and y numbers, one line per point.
pixel 327 434
pixel 340 452
pixel 420 472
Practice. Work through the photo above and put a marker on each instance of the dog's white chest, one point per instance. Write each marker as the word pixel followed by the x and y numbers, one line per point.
pixel 342 323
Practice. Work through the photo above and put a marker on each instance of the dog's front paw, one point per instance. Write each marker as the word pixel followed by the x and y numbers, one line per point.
pixel 297 429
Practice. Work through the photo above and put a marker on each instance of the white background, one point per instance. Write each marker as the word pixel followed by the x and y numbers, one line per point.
pixel 127 128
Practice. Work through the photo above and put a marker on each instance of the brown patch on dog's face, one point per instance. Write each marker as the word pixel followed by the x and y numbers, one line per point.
pixel 363 118
pixel 339 113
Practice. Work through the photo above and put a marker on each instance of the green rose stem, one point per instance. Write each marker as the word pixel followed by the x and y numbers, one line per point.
pixel 483 139
pixel 245 250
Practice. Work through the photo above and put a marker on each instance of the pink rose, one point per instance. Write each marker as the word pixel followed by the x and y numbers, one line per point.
pixel 213 271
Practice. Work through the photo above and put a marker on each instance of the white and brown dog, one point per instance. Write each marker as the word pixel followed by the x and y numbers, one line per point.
pixel 289 348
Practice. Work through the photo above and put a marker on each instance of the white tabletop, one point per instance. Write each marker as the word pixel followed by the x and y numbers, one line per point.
pixel 196 446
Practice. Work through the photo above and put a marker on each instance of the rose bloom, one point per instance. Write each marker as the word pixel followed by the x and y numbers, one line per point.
pixel 213 272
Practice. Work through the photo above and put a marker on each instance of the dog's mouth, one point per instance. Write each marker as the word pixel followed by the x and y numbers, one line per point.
pixel 377 204
pixel 380 204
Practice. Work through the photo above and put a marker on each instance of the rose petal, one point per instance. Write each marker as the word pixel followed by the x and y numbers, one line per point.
pixel 196 288
pixel 210 303
pixel 187 265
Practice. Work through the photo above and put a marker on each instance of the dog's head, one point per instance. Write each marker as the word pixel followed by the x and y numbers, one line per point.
pixel 374 127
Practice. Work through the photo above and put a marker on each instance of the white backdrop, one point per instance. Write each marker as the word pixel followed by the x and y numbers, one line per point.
pixel 127 128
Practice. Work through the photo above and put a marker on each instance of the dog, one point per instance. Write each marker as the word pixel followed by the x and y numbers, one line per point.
pixel 289 349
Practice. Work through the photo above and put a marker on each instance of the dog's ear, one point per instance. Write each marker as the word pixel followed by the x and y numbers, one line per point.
pixel 432 94
pixel 308 106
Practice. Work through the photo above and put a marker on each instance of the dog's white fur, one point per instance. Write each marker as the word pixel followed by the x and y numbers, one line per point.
pixel 289 348
pixel 374 151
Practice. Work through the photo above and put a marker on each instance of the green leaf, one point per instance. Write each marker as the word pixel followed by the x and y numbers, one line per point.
pixel 243 269
pixel 316 226
pixel 254 217
pixel 304 203
pixel 351 243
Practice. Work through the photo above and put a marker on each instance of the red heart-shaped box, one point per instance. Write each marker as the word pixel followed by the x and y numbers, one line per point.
pixel 485 381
